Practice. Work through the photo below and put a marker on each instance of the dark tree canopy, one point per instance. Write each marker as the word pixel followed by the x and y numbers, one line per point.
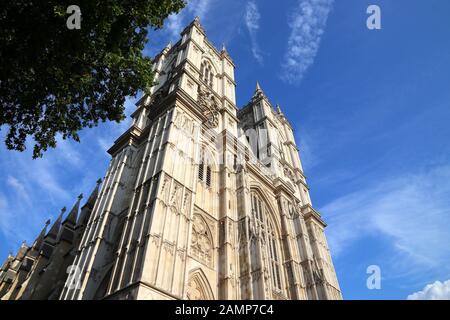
pixel 54 80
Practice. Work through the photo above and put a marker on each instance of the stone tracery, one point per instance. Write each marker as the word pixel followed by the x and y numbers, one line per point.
pixel 209 105
pixel 198 287
pixel 263 228
pixel 201 241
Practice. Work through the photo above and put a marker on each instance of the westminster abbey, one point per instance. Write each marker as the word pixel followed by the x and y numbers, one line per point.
pixel 201 200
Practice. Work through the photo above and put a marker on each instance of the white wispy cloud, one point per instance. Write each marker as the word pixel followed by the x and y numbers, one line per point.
pixel 19 188
pixel 104 143
pixel 32 191
pixel 18 216
pixel 45 173
pixel 307 26
pixel 252 18
pixel 199 7
pixel 306 145
pixel 69 153
pixel 434 291
pixel 174 25
pixel 47 178
pixel 6 218
pixel 412 212
pixel 176 22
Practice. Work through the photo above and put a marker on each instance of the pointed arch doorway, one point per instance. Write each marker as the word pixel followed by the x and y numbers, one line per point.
pixel 198 287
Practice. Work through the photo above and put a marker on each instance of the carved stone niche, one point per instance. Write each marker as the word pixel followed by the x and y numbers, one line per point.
pixel 201 242
pixel 209 105
pixel 186 206
pixel 164 193
pixel 176 197
pixel 184 122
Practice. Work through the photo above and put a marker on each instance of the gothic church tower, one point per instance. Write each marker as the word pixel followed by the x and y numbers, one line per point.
pixel 202 200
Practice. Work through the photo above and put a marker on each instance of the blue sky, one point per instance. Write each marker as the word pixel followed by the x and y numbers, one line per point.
pixel 371 112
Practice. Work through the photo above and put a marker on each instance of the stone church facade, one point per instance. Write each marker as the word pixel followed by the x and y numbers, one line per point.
pixel 201 200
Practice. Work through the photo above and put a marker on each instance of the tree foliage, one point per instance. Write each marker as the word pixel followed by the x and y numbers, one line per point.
pixel 58 81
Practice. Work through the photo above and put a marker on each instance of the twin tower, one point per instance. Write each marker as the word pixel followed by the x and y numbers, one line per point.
pixel 201 200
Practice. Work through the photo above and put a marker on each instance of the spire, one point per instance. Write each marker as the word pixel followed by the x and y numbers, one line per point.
pixel 73 214
pixel 258 87
pixel 53 233
pixel 224 53
pixel 37 243
pixel 258 91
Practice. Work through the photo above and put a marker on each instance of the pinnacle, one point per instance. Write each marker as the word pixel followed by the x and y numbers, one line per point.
pixel 258 87
pixel 278 108
pixel 55 227
pixel 73 214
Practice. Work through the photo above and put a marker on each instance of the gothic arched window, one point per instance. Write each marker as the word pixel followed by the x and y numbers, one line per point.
pixel 264 223
pixel 274 258
pixel 207 73
pixel 171 68
pixel 204 169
